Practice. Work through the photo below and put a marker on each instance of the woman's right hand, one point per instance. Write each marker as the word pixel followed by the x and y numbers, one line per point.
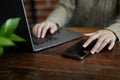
pixel 40 29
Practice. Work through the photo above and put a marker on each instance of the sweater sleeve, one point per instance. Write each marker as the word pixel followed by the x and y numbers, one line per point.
pixel 115 27
pixel 63 12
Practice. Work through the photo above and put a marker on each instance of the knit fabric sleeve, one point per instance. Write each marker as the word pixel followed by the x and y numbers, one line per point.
pixel 115 27
pixel 62 13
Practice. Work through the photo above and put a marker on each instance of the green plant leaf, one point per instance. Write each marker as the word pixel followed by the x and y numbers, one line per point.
pixel 5 42
pixel 1 50
pixel 17 38
pixel 9 26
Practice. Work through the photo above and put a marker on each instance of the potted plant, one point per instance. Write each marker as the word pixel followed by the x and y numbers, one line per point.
pixel 7 35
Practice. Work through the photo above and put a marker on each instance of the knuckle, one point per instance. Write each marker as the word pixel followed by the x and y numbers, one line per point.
pixel 100 39
pixel 105 41
pixel 91 38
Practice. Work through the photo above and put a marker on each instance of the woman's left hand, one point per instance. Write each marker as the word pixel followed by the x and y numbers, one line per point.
pixel 104 37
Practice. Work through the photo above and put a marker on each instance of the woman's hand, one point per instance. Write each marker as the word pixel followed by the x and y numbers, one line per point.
pixel 104 37
pixel 40 29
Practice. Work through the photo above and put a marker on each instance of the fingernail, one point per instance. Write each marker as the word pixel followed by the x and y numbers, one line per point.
pixel 52 32
pixel 92 52
pixel 42 36
pixel 109 48
pixel 84 46
pixel 38 36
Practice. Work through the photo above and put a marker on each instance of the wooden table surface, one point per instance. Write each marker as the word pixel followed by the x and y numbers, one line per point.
pixel 20 64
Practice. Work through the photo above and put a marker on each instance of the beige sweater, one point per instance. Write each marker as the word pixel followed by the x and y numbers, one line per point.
pixel 88 13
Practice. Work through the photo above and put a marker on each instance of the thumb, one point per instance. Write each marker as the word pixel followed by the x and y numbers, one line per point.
pixel 52 30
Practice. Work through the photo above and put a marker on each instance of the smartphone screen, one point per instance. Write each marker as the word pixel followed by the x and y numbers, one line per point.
pixel 76 51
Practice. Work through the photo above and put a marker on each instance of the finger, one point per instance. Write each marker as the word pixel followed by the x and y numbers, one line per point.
pixel 104 43
pixel 97 45
pixel 39 30
pixel 35 30
pixel 45 29
pixel 88 34
pixel 53 29
pixel 111 44
pixel 95 36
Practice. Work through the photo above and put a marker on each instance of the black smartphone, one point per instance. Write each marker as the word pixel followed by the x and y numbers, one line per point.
pixel 77 51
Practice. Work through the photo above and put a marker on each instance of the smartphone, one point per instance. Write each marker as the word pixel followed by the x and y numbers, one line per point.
pixel 77 51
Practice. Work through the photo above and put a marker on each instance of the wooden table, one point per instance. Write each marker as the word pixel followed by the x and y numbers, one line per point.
pixel 18 64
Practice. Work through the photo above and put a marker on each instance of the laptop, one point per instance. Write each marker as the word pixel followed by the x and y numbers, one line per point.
pixel 16 8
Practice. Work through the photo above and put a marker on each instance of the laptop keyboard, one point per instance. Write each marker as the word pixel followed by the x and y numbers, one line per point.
pixel 48 38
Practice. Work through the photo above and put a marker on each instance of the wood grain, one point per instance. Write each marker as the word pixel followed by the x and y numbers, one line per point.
pixel 19 64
